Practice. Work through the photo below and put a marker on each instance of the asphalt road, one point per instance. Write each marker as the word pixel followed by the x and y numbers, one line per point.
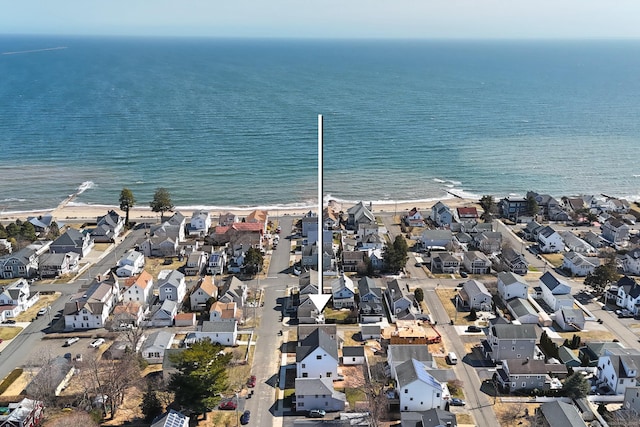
pixel 28 345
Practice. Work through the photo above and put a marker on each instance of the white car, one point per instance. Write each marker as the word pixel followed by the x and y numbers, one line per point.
pixel 97 343
pixel 43 311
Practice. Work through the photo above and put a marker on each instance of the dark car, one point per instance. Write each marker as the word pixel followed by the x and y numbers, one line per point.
pixel 457 402
pixel 473 328
pixel 244 418
pixel 464 274
pixel 316 413
pixel 251 382
pixel 228 405
pixel 10 322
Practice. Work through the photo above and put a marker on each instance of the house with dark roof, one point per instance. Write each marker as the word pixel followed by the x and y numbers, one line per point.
pixel 568 357
pixel 343 292
pixel 398 354
pixel 359 214
pixel 631 400
pixel 108 227
pixel 353 355
pixel 164 239
pixel 417 389
pixel 555 292
pixel 617 372
pixel 223 333
pixel 628 295
pixel 90 309
pixel 591 352
pixel 171 285
pixel 550 241
pixel 23 263
pixel 401 305
pixel 631 262
pixel 558 413
pixel 370 332
pixel 318 393
pixel 444 262
pixel 488 242
pixel 42 224
pixel 522 311
pixel 56 265
pixel 514 261
pixel 73 241
pixel 317 356
pixel 441 215
pixel 473 295
pixel 531 231
pixel 579 265
pixel 527 374
pixel 513 207
pixel 615 231
pixel 370 305
pixel 163 314
pixel 476 262
pixel 575 244
pixel 507 341
pixel 435 417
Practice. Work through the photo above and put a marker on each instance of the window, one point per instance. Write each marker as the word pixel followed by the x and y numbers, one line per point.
pixel 305 375
pixel 524 384
pixel 304 365
pixel 411 399
pixel 319 357
pixel 437 395
pixel 85 317
pixel 406 390
pixel 328 374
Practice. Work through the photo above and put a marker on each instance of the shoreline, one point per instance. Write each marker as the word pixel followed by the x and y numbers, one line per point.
pixel 69 212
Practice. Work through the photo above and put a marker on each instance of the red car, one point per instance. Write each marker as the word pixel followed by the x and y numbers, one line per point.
pixel 251 382
pixel 229 404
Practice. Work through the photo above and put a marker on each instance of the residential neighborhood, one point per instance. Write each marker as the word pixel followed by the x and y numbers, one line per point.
pixel 471 322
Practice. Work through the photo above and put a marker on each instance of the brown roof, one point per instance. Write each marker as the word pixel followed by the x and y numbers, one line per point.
pixel 207 286
pixel 469 212
pixel 184 316
pixel 240 226
pixel 142 280
pixel 227 310
pixel 130 308
pixel 257 216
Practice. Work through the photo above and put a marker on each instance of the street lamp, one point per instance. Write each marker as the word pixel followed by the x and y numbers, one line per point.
pixel 237 404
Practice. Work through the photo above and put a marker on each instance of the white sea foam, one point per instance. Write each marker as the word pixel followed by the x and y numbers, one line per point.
pixel 85 186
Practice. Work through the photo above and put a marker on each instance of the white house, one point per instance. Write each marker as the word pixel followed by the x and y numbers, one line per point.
pixel 171 285
pixel 317 356
pixel 555 293
pixel 550 241
pixel 130 264
pixel 196 263
pixel 138 288
pixel 578 264
pixel 476 262
pixel 414 218
pixel 17 294
pixel 417 389
pixel 631 262
pixel 91 308
pixel 216 263
pixel 628 294
pixel 618 371
pixel 223 333
pixel 511 285
pixel 343 292
pixel 199 224
pixel 570 319
pixel 204 291
pixel 155 345
pixel 318 393
pixel 397 354
pixel 615 231
pixel 108 227
pixel 224 312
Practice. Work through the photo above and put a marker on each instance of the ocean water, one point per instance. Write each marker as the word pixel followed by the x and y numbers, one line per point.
pixel 233 123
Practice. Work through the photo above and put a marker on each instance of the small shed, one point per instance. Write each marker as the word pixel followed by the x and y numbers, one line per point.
pixel 353 355
pixel 370 332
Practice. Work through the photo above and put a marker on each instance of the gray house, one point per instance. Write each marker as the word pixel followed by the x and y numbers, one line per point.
pixel 506 341
pixel 473 295
pixel 73 241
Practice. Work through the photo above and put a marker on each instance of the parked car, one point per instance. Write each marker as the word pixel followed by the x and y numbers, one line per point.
pixel 97 343
pixel 473 328
pixel 457 402
pixel 228 405
pixel 79 357
pixel 10 322
pixel 42 311
pixel 316 413
pixel 251 382
pixel 464 274
pixel 71 341
pixel 244 418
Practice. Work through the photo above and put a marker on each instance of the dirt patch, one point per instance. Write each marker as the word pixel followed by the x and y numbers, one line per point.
pixel 353 377
pixel 447 298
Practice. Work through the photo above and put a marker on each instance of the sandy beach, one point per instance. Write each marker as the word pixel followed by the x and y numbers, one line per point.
pixel 66 212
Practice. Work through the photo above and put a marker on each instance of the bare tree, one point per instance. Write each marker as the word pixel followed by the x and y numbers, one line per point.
pixel 106 381
pixel 622 418
pixel 511 415
pixel 46 372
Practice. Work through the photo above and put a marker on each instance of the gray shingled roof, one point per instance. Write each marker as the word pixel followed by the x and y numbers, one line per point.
pixel 317 338
pixel 514 332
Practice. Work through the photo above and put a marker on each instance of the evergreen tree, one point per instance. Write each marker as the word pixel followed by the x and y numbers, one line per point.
pixel 161 202
pixel 253 260
pixel 488 205
pixel 151 406
pixel 576 386
pixel 473 315
pixel 532 206
pixel 202 374
pixel 127 201
pixel 3 232
pixel 419 295
pixel 602 275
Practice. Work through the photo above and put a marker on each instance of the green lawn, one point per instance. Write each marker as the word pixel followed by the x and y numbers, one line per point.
pixel 354 395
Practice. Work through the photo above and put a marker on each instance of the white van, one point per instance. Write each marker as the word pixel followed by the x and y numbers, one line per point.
pixel 452 358
pixel 71 341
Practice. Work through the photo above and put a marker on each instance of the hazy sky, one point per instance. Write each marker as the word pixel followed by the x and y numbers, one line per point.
pixel 326 19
